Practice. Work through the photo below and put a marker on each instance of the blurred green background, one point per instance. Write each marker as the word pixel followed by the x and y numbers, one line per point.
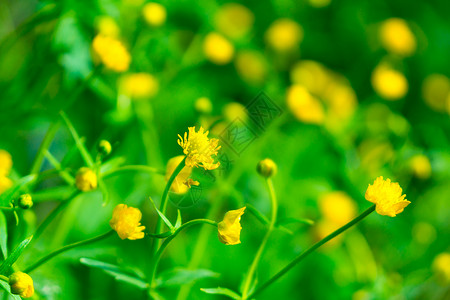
pixel 361 89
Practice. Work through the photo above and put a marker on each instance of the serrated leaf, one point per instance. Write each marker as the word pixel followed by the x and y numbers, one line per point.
pixel 222 291
pixel 14 255
pixel 163 217
pixel 117 272
pixel 3 235
pixel 180 276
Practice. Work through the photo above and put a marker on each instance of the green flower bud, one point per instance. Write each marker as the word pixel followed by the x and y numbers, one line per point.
pixel 104 147
pixel 25 201
pixel 267 168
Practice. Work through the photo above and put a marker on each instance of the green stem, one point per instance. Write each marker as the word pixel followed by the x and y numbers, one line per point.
pixel 39 159
pixel 6 208
pixel 53 214
pixel 301 256
pixel 258 255
pixel 67 248
pixel 4 278
pixel 140 168
pixel 166 242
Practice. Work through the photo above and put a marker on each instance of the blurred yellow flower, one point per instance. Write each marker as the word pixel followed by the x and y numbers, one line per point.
pixel 388 83
pixel 139 85
pixel 267 168
pixel 21 284
pixel 251 66
pixel 104 147
pixel 420 165
pixel 397 38
pixel 203 105
pixel 5 183
pixel 337 207
pixel 190 182
pixel 154 14
pixel 25 201
pixel 126 222
pixel 230 228
pixel 312 75
pixel 234 20
pixel 441 267
pixel 436 92
pixel 304 106
pixel 199 149
pixel 234 110
pixel 5 162
pixel 387 196
pixel 112 53
pixel 341 101
pixel 423 233
pixel 86 179
pixel 107 26
pixel 319 3
pixel 218 49
pixel 178 185
pixel 284 35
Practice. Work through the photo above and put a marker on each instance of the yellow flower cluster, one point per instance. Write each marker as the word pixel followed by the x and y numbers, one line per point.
pixel 387 196
pixel 230 228
pixel 389 83
pixel 139 85
pixel 199 149
pixel 21 284
pixel 218 49
pixel 397 38
pixel 126 222
pixel 111 52
pixel 5 168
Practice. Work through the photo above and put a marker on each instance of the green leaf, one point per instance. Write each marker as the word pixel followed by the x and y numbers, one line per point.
pixel 7 288
pixel 179 276
pixel 178 222
pixel 163 217
pixel 222 291
pixel 14 255
pixel 3 235
pixel 118 273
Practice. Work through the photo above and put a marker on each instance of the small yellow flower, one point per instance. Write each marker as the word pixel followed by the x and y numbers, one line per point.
pixel 104 147
pixel 397 38
pixel 230 228
pixel 199 149
pixel 5 162
pixel 337 207
pixel 25 201
pixel 178 185
pixel 112 53
pixel 441 267
pixel 218 49
pixel 233 110
pixel 389 83
pixel 313 75
pixel 107 26
pixel 387 196
pixel 284 35
pixel 304 106
pixel 190 182
pixel 21 284
pixel 234 20
pixel 436 92
pixel 126 222
pixel 154 13
pixel 5 183
pixel 267 168
pixel 139 85
pixel 319 3
pixel 86 179
pixel 203 105
pixel 420 165
pixel 251 66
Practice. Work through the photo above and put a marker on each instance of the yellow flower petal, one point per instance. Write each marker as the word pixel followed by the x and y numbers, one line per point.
pixel 387 196
pixel 21 284
pixel 126 222
pixel 230 228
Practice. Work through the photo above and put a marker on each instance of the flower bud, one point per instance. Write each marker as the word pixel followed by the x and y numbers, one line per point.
pixel 21 284
pixel 267 168
pixel 104 147
pixel 25 201
pixel 86 179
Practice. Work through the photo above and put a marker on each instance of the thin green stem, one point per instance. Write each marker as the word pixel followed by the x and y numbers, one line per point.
pixel 139 168
pixel 39 159
pixel 4 278
pixel 301 256
pixel 254 265
pixel 67 248
pixel 53 214
pixel 7 208
pixel 166 242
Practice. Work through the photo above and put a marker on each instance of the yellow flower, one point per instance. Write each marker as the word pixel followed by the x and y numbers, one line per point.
pixel 387 196
pixel 25 201
pixel 234 20
pixel 388 83
pixel 337 207
pixel 199 149
pixel 86 179
pixel 267 168
pixel 218 49
pixel 21 284
pixel 126 222
pixel 104 147
pixel 107 26
pixel 230 228
pixel 233 110
pixel 284 35
pixel 5 162
pixel 304 106
pixel 441 267
pixel 5 183
pixel 139 85
pixel 190 182
pixel 397 38
pixel 154 13
pixel 436 92
pixel 421 166
pixel 312 75
pixel 112 53
pixel 178 185
pixel 203 105
pixel 251 66
pixel 319 3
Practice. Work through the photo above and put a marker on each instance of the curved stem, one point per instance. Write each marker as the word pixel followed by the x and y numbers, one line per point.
pixel 67 248
pixel 166 242
pixel 4 278
pixel 51 132
pixel 140 168
pixel 254 266
pixel 301 256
